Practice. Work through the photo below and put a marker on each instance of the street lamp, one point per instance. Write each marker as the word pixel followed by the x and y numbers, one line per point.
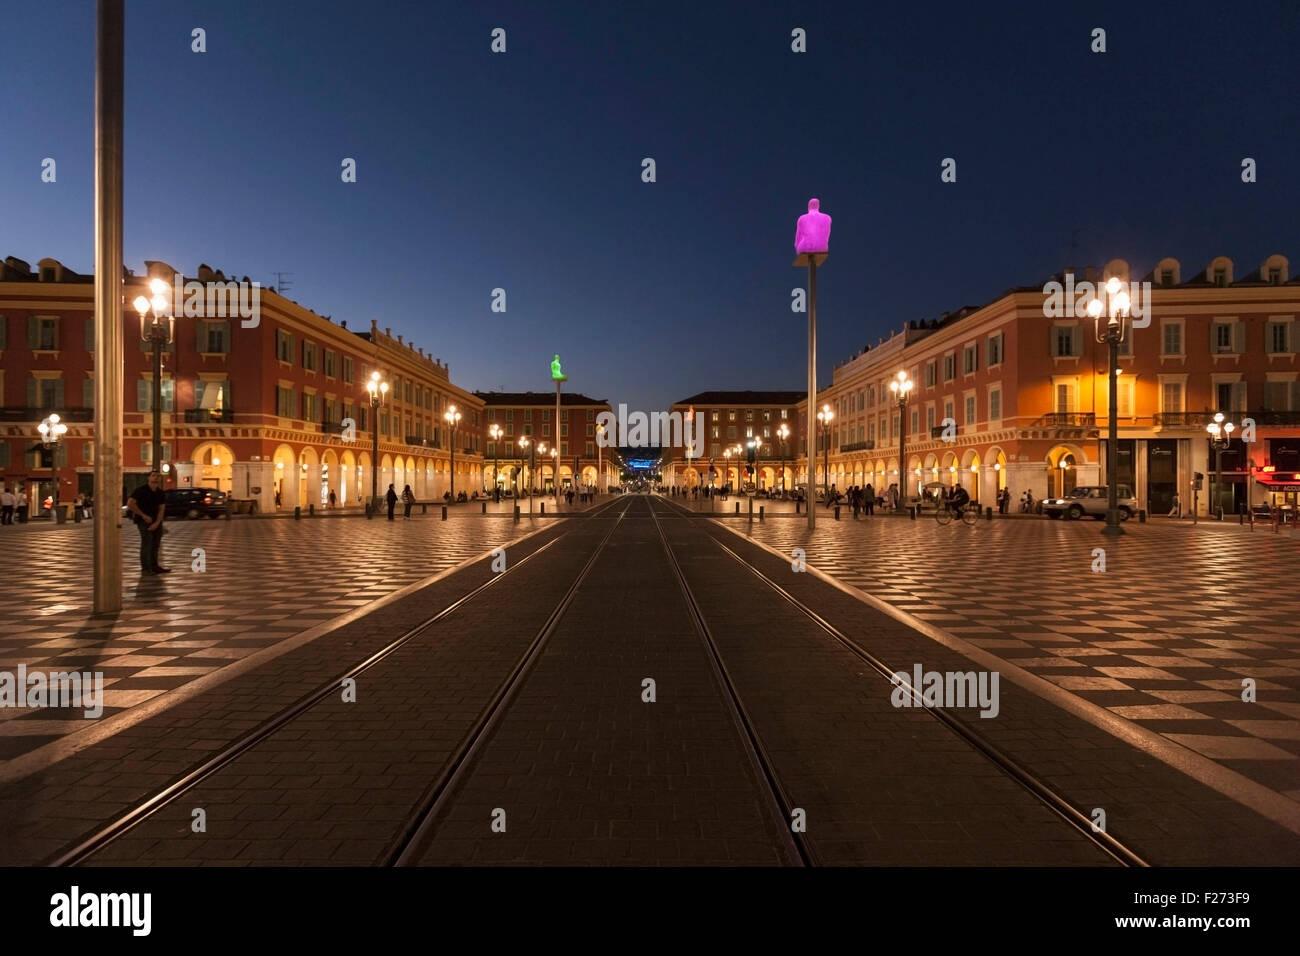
pixel 783 433
pixel 901 386
pixel 1220 436
pixel 378 390
pixel 600 472
pixel 524 442
pixel 156 328
pixel 824 418
pixel 452 418
pixel 754 444
pixel 1112 334
pixel 52 429
pixel 495 434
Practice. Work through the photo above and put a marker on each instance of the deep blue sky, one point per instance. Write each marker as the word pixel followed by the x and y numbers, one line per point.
pixel 522 170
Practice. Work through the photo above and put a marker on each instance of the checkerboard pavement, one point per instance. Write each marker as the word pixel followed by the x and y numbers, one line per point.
pixel 1163 638
pixel 264 582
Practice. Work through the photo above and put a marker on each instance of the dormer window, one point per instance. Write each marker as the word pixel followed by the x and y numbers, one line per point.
pixel 1274 276
pixel 47 273
pixel 1220 277
pixel 1167 277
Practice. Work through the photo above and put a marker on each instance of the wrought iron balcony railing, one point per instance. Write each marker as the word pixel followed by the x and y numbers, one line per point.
pixel 858 446
pixel 209 416
pixel 22 413
pixel 1068 420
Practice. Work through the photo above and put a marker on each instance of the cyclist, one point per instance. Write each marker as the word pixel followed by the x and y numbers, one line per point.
pixel 958 500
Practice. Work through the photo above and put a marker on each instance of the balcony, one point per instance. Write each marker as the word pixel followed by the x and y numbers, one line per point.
pixel 331 428
pixel 209 416
pixel 858 446
pixel 1274 418
pixel 1067 420
pixel 20 413
pixel 1198 420
pixel 419 442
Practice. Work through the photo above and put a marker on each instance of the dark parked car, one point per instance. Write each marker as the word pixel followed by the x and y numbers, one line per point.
pixel 195 502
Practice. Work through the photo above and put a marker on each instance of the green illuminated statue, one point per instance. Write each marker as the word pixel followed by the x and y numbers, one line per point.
pixel 556 374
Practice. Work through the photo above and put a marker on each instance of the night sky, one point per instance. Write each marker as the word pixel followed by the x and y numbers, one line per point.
pixel 523 170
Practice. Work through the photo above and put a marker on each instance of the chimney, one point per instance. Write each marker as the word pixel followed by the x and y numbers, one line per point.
pixel 388 332
pixel 399 337
pixel 344 323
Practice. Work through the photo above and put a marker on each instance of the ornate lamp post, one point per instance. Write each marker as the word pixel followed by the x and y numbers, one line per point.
pixel 901 386
pixel 1220 436
pixel 52 430
pixel 783 433
pixel 378 390
pixel 495 434
pixel 452 418
pixel 1112 334
pixel 824 419
pixel 524 442
pixel 156 328
pixel 754 444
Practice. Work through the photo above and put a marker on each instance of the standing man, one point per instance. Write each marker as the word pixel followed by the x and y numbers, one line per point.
pixel 391 499
pixel 148 508
pixel 20 502
pixel 6 506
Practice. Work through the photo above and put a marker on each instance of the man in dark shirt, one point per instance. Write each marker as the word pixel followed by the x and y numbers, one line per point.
pixel 147 507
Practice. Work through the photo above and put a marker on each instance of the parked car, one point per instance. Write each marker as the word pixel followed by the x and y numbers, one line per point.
pixel 195 502
pixel 1090 500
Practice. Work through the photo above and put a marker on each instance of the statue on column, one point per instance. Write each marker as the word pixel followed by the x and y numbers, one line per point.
pixel 556 374
pixel 813 232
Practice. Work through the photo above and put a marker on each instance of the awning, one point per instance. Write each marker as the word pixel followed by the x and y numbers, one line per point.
pixel 1270 483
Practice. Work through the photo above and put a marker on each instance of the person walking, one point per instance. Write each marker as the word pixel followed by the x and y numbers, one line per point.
pixel 148 508
pixel 1176 510
pixel 391 498
pixel 869 499
pixel 20 505
pixel 408 499
pixel 6 506
pixel 855 499
pixel 332 499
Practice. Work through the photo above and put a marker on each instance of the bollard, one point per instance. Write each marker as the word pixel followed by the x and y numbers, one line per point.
pixel 988 514
pixel 297 512
pixel 837 512
pixel 1241 518
pixel 543 507
pixel 737 507
pixel 484 507
pixel 369 511
pixel 796 506
pixel 516 514
pixel 760 512
pixel 751 509
pixel 911 511
pixel 229 509
pixel 1142 516
pixel 311 510
pixel 444 512
pixel 77 515
pixel 424 508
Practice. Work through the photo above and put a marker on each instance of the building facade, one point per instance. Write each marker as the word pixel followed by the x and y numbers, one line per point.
pixel 274 412
pixel 580 461
pixel 1013 395
pixel 724 422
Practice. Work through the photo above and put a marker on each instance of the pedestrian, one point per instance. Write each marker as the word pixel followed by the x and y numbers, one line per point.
pixel 332 498
pixel 277 499
pixel 147 507
pixel 408 499
pixel 20 505
pixel 6 506
pixel 391 498
pixel 855 499
pixel 831 495
pixel 1176 510
pixel 869 499
pixel 89 505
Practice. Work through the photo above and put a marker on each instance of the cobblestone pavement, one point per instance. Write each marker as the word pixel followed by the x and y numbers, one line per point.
pixel 264 582
pixel 1163 637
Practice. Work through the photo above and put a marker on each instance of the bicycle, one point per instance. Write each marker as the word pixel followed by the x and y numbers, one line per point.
pixel 969 513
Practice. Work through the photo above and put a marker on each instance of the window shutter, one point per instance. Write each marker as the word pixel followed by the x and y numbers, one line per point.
pixel 33 399
pixel 1295 397
pixel 58 393
pixel 90 333
pixel 1239 337
pixel 88 393
pixel 226 340
pixel 1076 341
pixel 61 455
pixel 200 336
pixel 143 396
pixel 33 332
pixel 1238 396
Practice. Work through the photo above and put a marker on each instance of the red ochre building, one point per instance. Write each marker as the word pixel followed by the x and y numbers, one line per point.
pixel 1028 394
pixel 252 411
pixel 517 414
pixel 724 420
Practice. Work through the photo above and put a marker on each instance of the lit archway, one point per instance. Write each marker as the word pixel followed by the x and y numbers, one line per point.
pixel 213 463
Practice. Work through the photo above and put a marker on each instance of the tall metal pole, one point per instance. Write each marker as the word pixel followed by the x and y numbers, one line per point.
pixel 453 461
pixel 109 30
pixel 374 457
pixel 157 401
pixel 902 444
pixel 812 390
pixel 1112 440
pixel 559 443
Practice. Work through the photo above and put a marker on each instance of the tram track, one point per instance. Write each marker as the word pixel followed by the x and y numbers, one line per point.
pixel 141 810
pixel 1043 792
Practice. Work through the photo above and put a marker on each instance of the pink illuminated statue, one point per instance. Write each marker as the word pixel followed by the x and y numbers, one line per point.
pixel 813 234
